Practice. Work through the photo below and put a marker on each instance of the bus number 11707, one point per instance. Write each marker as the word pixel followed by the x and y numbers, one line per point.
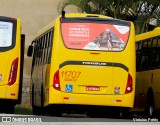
pixel 70 75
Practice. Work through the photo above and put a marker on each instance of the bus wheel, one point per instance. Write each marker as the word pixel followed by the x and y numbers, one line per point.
pixel 42 100
pixel 92 114
pixel 36 110
pixel 10 109
pixel 57 113
pixel 55 110
pixel 125 114
pixel 150 110
pixel 150 104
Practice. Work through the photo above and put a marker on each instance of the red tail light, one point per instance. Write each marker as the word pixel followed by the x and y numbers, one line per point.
pixel 13 19
pixel 13 72
pixel 129 86
pixel 129 23
pixel 56 81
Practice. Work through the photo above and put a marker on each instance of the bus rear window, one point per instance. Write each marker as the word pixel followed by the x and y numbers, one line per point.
pixel 6 29
pixel 95 35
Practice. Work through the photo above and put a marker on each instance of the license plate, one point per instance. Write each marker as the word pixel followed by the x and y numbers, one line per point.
pixel 92 88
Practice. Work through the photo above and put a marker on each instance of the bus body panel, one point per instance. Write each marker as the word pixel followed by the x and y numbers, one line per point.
pixel 90 99
pixel 156 88
pixel 37 80
pixel 5 69
pixel 11 91
pixel 147 75
pixel 145 81
pixel 87 77
pixel 79 77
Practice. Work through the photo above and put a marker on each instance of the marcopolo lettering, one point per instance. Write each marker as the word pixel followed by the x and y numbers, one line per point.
pixel 95 63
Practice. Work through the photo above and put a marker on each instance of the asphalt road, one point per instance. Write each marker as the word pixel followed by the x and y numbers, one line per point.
pixel 83 119
pixel 72 118
pixel 77 118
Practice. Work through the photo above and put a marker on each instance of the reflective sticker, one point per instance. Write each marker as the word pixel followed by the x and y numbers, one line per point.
pixel 0 77
pixel 8 94
pixel 69 88
pixel 117 90
pixel 113 100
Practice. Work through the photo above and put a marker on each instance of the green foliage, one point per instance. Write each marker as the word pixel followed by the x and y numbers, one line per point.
pixel 138 11
pixel 23 111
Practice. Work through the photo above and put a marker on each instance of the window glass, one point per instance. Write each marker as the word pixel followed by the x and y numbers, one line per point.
pixel 6 34
pixel 95 36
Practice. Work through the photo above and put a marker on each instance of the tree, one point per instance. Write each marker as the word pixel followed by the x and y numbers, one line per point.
pixel 113 8
pixel 138 11
pixel 147 11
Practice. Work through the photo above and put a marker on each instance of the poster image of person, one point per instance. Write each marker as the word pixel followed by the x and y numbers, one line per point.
pixel 104 40
pixel 108 40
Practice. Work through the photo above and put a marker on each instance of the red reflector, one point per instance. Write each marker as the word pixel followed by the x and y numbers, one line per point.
pixel 13 72
pixel 94 53
pixel 66 98
pixel 13 94
pixel 118 100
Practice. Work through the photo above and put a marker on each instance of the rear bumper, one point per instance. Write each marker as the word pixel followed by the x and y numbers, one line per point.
pixel 9 92
pixel 57 97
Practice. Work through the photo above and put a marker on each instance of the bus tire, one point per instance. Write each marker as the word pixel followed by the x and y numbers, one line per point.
pixel 36 110
pixel 150 104
pixel 10 109
pixel 125 114
pixel 42 100
pixel 57 113
pixel 92 114
pixel 55 110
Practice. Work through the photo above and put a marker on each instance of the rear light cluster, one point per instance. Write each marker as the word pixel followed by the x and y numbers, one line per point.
pixel 13 19
pixel 129 86
pixel 13 72
pixel 56 81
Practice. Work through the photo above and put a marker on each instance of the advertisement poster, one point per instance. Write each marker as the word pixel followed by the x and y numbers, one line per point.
pixel 95 36
pixel 5 34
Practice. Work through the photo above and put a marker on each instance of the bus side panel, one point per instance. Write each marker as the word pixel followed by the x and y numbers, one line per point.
pixel 46 76
pixel 143 79
pixel 4 71
pixel 21 68
pixel 37 79
pixel 156 88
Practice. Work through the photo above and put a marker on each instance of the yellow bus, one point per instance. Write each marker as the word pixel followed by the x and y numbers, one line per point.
pixel 83 61
pixel 11 64
pixel 148 70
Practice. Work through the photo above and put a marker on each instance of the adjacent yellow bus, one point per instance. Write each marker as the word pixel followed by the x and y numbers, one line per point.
pixel 148 70
pixel 82 62
pixel 11 64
